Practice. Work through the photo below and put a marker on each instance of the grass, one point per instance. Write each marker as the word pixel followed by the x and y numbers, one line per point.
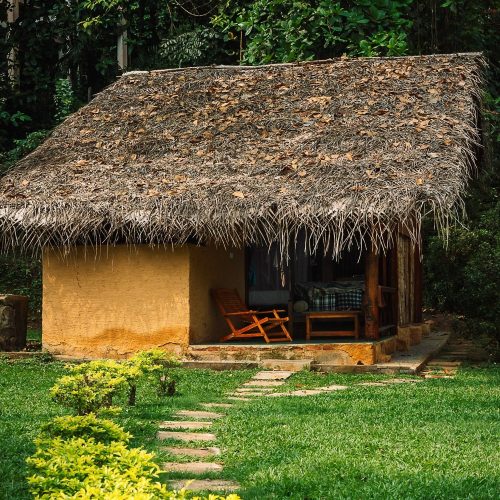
pixel 25 405
pixel 34 334
pixel 436 439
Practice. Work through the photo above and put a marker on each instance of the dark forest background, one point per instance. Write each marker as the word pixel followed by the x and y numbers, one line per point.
pixel 66 52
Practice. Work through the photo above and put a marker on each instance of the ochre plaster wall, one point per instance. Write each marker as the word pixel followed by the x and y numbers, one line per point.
pixel 212 268
pixel 117 302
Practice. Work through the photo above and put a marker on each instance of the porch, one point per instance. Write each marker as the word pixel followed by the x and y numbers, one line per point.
pixel 331 352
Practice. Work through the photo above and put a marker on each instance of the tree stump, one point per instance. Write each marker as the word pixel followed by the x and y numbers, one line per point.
pixel 13 322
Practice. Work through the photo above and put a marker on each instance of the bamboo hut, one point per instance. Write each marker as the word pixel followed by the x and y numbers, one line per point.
pixel 273 180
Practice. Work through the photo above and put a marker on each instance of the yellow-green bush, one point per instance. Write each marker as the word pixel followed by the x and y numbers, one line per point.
pixel 62 468
pixel 88 390
pixel 87 426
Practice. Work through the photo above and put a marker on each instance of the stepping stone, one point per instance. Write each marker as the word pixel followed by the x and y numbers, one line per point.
pixel 177 424
pixel 216 405
pixel 263 383
pixel 302 392
pixel 198 414
pixel 204 485
pixel 333 387
pixel 236 398
pixel 307 392
pixel 254 389
pixel 268 375
pixel 210 451
pixel 192 467
pixel 186 436
pixel 373 384
pixel 238 394
pixel 400 381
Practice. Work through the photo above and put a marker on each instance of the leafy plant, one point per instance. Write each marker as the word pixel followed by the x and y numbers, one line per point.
pixel 64 99
pixel 285 31
pixel 84 468
pixel 90 388
pixel 157 363
pixel 86 426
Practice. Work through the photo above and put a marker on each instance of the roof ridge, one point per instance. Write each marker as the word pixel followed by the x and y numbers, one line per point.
pixel 302 63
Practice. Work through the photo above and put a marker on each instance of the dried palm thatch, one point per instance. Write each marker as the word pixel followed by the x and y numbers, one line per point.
pixel 344 149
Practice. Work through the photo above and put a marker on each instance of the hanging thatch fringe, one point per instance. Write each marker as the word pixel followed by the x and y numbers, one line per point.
pixel 345 150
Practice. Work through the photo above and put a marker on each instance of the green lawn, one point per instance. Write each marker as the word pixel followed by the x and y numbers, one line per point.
pixel 436 439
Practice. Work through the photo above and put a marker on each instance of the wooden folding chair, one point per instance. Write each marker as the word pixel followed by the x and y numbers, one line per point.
pixel 271 328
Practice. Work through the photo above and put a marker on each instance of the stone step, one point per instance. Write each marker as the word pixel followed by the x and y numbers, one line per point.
pixel 220 365
pixel 247 394
pixel 444 363
pixel 263 390
pixel 372 384
pixel 333 387
pixel 192 467
pixel 198 414
pixel 263 383
pixel 273 375
pixel 211 451
pixel 186 436
pixel 301 392
pixel 237 398
pixel 401 381
pixel 292 365
pixel 184 424
pixel 216 405
pixel 204 485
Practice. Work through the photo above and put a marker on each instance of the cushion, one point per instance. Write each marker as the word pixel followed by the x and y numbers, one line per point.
pixel 349 299
pixel 322 300
pixel 300 306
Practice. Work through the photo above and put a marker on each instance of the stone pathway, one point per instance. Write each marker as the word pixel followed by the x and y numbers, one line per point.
pixel 263 384
pixel 181 430
pixel 454 353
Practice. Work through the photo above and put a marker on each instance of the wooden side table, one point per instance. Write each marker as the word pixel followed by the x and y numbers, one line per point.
pixel 332 315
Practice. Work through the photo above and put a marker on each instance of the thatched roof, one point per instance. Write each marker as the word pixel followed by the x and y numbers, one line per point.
pixel 343 148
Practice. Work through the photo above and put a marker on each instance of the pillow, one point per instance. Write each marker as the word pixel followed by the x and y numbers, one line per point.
pixel 322 300
pixel 300 306
pixel 350 299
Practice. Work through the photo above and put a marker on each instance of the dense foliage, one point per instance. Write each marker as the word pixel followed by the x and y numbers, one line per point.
pixel 67 53
pixel 85 456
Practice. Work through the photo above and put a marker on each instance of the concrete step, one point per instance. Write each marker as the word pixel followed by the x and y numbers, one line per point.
pixel 186 436
pixel 211 451
pixel 192 467
pixel 220 365
pixel 198 414
pixel 292 365
pixel 263 383
pixel 204 485
pixel 273 375
pixel 247 394
pixel 184 424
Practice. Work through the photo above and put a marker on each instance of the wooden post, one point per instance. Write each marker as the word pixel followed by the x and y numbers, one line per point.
pixel 417 283
pixel 371 296
pixel 12 58
pixel 122 46
pixel 395 281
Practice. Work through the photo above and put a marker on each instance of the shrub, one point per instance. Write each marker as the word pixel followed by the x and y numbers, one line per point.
pixel 87 426
pixel 87 469
pixel 89 389
pixel 84 468
pixel 156 363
